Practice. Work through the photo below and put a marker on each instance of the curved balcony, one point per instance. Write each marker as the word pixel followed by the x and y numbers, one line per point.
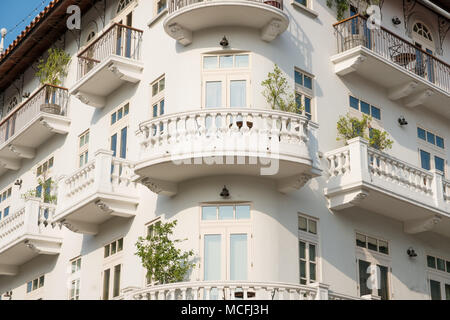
pixel 187 16
pixel 360 176
pixel 276 145
pixel 95 193
pixel 234 290
pixel 27 233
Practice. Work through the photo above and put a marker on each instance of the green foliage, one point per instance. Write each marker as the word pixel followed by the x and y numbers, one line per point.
pixel 343 5
pixel 47 193
pixel 163 261
pixel 277 92
pixel 54 69
pixel 349 127
pixel 380 140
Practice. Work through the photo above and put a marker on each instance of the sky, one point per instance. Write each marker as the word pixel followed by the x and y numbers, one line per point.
pixel 13 12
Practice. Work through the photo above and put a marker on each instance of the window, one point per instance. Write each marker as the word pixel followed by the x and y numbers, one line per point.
pixel 45 167
pixel 111 282
pixel 439 264
pixel 365 108
pixel 35 284
pixel 430 161
pixel 83 149
pixel 308 249
pixel 367 269
pixel 439 278
pixel 304 93
pixel 372 243
pixel 113 248
pixel 226 81
pixel 150 228
pixel 307 225
pixel 226 212
pixel 119 131
pixel 5 202
pixel 420 29
pixel 122 5
pixel 158 100
pixel 75 269
pixel 429 137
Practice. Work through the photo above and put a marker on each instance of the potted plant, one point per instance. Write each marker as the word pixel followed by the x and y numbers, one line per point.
pixel 50 73
pixel 349 127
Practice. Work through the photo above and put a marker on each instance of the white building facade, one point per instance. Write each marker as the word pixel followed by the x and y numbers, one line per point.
pixel 157 114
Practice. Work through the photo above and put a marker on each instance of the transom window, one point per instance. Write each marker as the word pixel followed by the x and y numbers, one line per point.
pixel 122 5
pixel 372 243
pixel 307 225
pixel 75 265
pixel 35 284
pixel 226 212
pixel 439 264
pixel 113 248
pixel 45 167
pixel 420 29
pixel 120 113
pixel 304 92
pixel 430 137
pixel 365 107
pixel 227 61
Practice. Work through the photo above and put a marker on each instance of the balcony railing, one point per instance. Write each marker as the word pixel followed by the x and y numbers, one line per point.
pixel 175 5
pixel 47 96
pixel 118 40
pixel 353 32
pixel 34 219
pixel 233 290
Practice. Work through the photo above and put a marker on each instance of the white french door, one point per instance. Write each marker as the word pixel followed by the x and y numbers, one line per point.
pixel 226 90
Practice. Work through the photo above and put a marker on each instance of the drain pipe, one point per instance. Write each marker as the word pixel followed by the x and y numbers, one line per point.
pixel 436 8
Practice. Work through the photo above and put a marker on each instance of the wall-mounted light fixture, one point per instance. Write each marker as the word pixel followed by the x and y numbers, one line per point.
pixel 411 252
pixel 18 183
pixel 402 121
pixel 396 21
pixel 225 193
pixel 224 42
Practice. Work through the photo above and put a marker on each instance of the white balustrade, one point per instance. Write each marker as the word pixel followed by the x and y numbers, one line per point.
pixel 446 190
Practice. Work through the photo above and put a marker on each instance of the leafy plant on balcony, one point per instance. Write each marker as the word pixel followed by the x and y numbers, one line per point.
pixel 54 68
pixel 349 127
pixel 44 190
pixel 159 255
pixel 277 92
pixel 343 5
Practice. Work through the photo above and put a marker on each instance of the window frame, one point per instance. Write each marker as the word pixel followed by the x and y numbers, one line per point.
pixel 310 239
pixel 6 202
pixel 83 150
pixel 218 221
pixel 354 112
pixel 117 127
pixel 159 97
pixel 443 277
pixel 306 92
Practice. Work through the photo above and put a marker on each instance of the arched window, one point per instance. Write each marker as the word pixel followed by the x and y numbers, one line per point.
pixel 122 5
pixel 421 30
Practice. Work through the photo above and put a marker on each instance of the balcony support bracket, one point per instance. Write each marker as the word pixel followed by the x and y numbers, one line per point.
pixel 402 90
pixel 347 64
pixel 420 225
pixel 293 183
pixel 80 227
pixel 419 98
pixel 160 187
pixel 271 30
pixel 124 72
pixel 43 247
pixel 348 199
pixel 91 99
pixel 182 35
pixel 8 270
pixel 10 164
pixel 22 152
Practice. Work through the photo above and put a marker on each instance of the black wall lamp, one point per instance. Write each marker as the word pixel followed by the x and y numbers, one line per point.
pixel 411 252
pixel 396 21
pixel 225 193
pixel 224 42
pixel 402 121
pixel 18 183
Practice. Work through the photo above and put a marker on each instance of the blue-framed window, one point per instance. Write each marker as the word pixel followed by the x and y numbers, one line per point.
pixel 365 107
pixel 302 79
pixel 425 160
pixel 430 137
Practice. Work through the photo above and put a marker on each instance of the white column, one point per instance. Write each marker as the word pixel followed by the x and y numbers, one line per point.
pixel 103 162
pixel 32 215
pixel 359 162
pixel 437 188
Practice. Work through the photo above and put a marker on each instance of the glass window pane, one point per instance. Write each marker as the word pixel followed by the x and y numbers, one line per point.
pixel 155 89
pixel 439 163
pixel 383 292
pixel 238 93
pixel 226 62
pixel 114 145
pixel 116 289
pixel 431 138
pixel 120 114
pixel 35 284
pixel 106 251
pixel 425 160
pixel 435 288
pixel 421 133
pixel 302 250
pixel 212 256
pixel 213 94
pixel 238 257
pixel 308 107
pixel 41 281
pixel 440 264
pixel 162 84
pixel 106 284
pixel 302 269
pixel 120 245
pixel 125 111
pixel 123 143
pixel 447 291
pixel 242 212
pixel 360 240
pixel 312 226
pixel 302 223
pixel 365 108
pixel 312 253
pixel 431 262
pixel 242 61
pixel 298 78
pixel 312 272
pixel 448 266
pixel 210 62
pixel 113 248
pixel 29 286
pixel 383 247
pixel 376 113
pixel 307 82
pixel 226 212
pixel 440 142
pixel 161 108
pixel 209 213
pixel 155 111
pixel 113 118
pixel 363 277
pixel 372 244
pixel 354 103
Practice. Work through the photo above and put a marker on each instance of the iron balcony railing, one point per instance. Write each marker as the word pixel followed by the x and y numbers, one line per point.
pixel 117 40
pixel 354 32
pixel 21 116
pixel 175 5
